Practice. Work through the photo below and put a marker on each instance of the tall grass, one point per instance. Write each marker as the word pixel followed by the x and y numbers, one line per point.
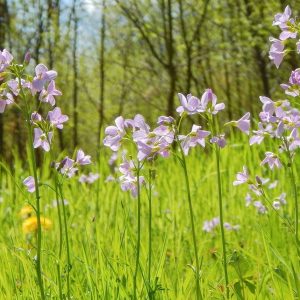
pixel 262 260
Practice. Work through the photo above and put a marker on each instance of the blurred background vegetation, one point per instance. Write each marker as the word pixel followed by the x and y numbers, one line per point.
pixel 132 56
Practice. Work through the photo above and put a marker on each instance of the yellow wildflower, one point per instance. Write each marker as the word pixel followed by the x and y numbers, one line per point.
pixel 31 224
pixel 26 211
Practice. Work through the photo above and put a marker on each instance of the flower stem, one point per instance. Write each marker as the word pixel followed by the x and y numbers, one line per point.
pixel 217 151
pixel 138 243
pixel 37 193
pixel 198 291
pixel 295 191
pixel 150 231
pixel 69 266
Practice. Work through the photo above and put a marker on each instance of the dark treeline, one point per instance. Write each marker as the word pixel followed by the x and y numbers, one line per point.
pixel 124 57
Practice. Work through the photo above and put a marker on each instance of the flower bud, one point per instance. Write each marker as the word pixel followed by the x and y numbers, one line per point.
pixel 27 58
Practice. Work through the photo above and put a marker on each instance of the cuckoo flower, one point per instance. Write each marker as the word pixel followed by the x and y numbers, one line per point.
pixel 42 76
pixel 5 59
pixel 281 19
pixel 36 118
pixel 6 98
pixel 189 104
pixel 219 140
pixel 195 137
pixel 42 139
pixel 90 178
pixel 209 103
pixel 272 160
pixel 242 177
pixel 67 167
pixel 276 52
pixel 56 118
pixel 82 159
pixel 114 134
pixel 48 95
pixel 30 184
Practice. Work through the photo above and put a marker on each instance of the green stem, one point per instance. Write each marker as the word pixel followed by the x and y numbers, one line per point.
pixel 150 231
pixel 67 239
pixel 217 151
pixel 198 291
pixel 60 237
pixel 37 194
pixel 295 191
pixel 138 233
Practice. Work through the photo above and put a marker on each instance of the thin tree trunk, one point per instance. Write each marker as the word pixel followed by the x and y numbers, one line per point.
pixel 75 72
pixel 102 74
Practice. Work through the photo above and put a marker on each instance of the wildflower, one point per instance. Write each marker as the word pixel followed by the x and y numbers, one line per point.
pixel 82 159
pixel 281 19
pixel 230 227
pixel 276 205
pixel 30 184
pixel 35 117
pixel 295 77
pixel 210 225
pixel 26 211
pixel 5 99
pixel 67 167
pixel 5 59
pixel 27 58
pixel 30 225
pixel 209 103
pixel 48 95
pixel 242 177
pixel 56 118
pixel 276 52
pixel 282 198
pixel 219 140
pixel 114 134
pixel 90 178
pixel 284 21
pixel 273 185
pixel 196 136
pixel 260 207
pixel 248 199
pixel 42 139
pixel 163 120
pixel 42 75
pixel 272 160
pixel 189 104
pixel 113 158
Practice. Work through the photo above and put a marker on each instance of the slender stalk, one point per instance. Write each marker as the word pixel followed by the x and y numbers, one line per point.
pixel 198 291
pixel 150 231
pixel 60 237
pixel 217 151
pixel 138 243
pixel 37 193
pixel 67 239
pixel 295 191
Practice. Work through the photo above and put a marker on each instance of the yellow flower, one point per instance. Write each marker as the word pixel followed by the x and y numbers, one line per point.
pixel 26 211
pixel 31 224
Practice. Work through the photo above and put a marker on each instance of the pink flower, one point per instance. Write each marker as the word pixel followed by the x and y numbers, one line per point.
pixel 272 160
pixel 42 139
pixel 42 75
pixel 56 118
pixel 276 52
pixel 30 184
pixel 195 137
pixel 242 177
pixel 209 103
pixel 82 159
pixel 5 59
pixel 48 95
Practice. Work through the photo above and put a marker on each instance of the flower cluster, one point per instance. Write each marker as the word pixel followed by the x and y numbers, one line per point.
pixel 256 195
pixel 149 144
pixel 289 30
pixel 211 225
